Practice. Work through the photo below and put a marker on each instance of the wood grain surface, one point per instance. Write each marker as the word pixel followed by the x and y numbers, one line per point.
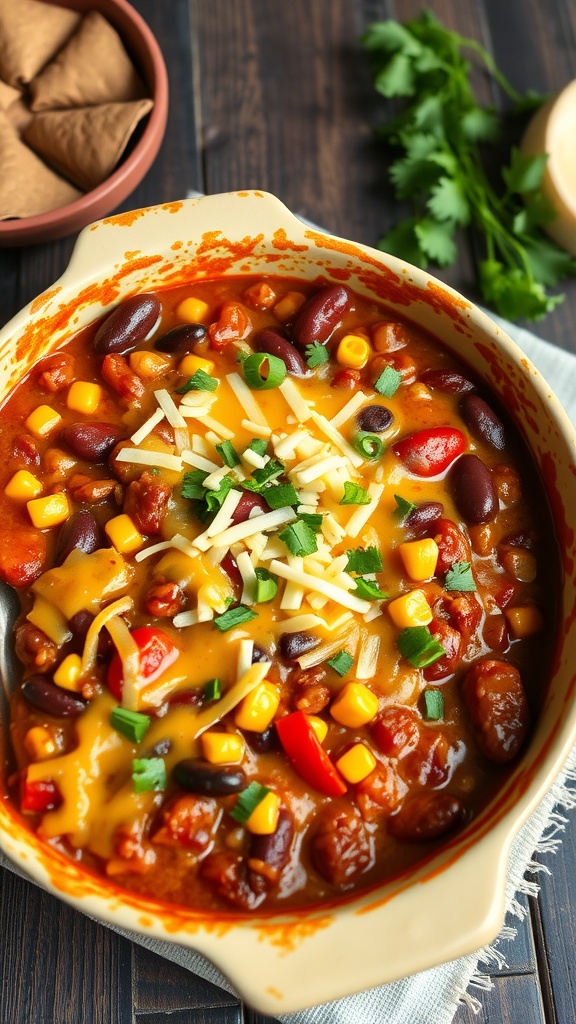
pixel 277 96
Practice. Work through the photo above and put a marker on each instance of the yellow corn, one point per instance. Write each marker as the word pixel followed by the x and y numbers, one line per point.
pixel 419 557
pixel 258 708
pixel 39 743
pixel 264 818
pixel 190 363
pixel 222 747
pixel 320 727
pixel 288 306
pixel 525 620
pixel 149 365
pixel 67 675
pixel 357 763
pixel 193 311
pixel 353 351
pixel 49 511
pixel 42 421
pixel 123 534
pixel 83 396
pixel 23 486
pixel 411 609
pixel 354 706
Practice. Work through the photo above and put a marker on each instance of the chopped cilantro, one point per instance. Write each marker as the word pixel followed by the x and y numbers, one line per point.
pixel 199 381
pixel 316 354
pixel 261 477
pixel 364 560
pixel 419 647
pixel 434 705
pixel 280 495
pixel 369 590
pixel 212 690
pixel 299 538
pixel 258 445
pixel 234 617
pixel 248 801
pixel 148 774
pixel 312 519
pixel 266 586
pixel 460 577
pixel 341 662
pixel 354 495
pixel 404 507
pixel 132 724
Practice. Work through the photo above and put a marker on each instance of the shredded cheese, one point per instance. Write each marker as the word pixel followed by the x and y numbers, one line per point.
pixel 368 657
pixel 246 570
pixel 214 712
pixel 263 523
pixel 218 427
pixel 141 457
pixel 123 604
pixel 245 652
pixel 166 403
pixel 132 680
pixel 340 442
pixel 346 641
pixel 199 462
pixel 246 399
pixel 259 429
pixel 362 514
pixel 349 409
pixel 297 403
pixel 147 427
pixel 320 586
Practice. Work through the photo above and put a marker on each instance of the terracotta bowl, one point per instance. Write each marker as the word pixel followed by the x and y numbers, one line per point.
pixel 147 56
pixel 453 902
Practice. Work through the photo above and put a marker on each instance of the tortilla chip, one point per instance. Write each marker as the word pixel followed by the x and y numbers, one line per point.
pixel 8 95
pixel 27 186
pixel 85 145
pixel 19 115
pixel 31 33
pixel 92 68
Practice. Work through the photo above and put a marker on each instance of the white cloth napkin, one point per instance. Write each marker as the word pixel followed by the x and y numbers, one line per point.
pixel 433 996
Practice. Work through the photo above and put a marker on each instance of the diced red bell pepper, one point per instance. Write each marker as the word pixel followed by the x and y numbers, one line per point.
pixel 157 653
pixel 40 796
pixel 430 452
pixel 308 756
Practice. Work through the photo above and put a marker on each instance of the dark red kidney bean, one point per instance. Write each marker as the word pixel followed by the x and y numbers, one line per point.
pixel 128 324
pixel 196 776
pixel 320 315
pixel 426 816
pixel 272 342
pixel 453 644
pixel 80 531
pixel 247 502
pixel 447 380
pixel 181 338
pixel 294 645
pixel 483 422
pixel 474 491
pixel 498 708
pixel 228 564
pixel 375 419
pixel 92 442
pixel 269 854
pixel 48 697
pixel 521 539
pixel 262 742
pixel 422 518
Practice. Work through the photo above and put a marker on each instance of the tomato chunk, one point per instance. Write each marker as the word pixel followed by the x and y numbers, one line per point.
pixel 40 796
pixel 157 653
pixel 430 452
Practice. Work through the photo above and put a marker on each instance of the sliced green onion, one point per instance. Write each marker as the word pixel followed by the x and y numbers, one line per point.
pixel 388 382
pixel 404 507
pixel 266 586
pixel 368 445
pixel 354 495
pixel 369 590
pixel 234 617
pixel 364 560
pixel 460 577
pixel 316 354
pixel 299 538
pixel 131 724
pixel 148 773
pixel 248 801
pixel 228 454
pixel 253 365
pixel 212 690
pixel 312 519
pixel 280 495
pixel 199 381
pixel 341 662
pixel 434 705
pixel 258 445
pixel 419 647
pixel 263 476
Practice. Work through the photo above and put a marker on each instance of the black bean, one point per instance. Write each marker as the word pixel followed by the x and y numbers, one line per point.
pixel 259 654
pixel 474 491
pixel 128 324
pixel 272 342
pixel 262 742
pixel 320 315
pixel 206 779
pixel 48 697
pixel 272 851
pixel 92 442
pixel 422 518
pixel 294 645
pixel 181 338
pixel 80 623
pixel 447 380
pixel 483 421
pixel 375 419
pixel 80 531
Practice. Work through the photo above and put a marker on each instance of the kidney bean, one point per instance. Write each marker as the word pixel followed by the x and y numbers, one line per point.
pixel 247 502
pixel 452 642
pixel 79 531
pixel 262 742
pixel 507 483
pixel 426 816
pixel 518 562
pixel 495 633
pixel 274 344
pixel 340 848
pixel 127 325
pixel 498 709
pixel 320 315
pixel 181 338
pixel 375 419
pixel 396 731
pixel 294 645
pixel 431 451
pixel 522 539
pixel 269 854
pixel 453 546
pixel 48 697
pixel 422 518
pixel 206 779
pixel 448 381
pixel 92 442
pixel 474 491
pixel 483 421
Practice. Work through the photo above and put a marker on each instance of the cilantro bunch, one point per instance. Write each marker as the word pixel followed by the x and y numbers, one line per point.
pixel 438 133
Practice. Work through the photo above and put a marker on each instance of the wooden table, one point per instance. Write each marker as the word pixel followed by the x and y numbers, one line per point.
pixel 277 96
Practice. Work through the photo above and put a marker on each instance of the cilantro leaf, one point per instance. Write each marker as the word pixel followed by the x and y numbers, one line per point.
pixel 436 240
pixel 448 201
pixel 404 507
pixel 341 662
pixel 316 354
pixel 364 560
pixel 369 590
pixel 460 577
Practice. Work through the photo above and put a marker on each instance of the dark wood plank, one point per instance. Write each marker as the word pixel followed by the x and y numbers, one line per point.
pixel 203 1015
pixel 512 1000
pixel 556 927
pixel 161 985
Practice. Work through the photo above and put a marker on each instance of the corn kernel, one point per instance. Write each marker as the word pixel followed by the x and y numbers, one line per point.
pixel 68 673
pixel 42 421
pixel 264 818
pixel 411 609
pixel 149 365
pixel 320 727
pixel 23 486
pixel 123 534
pixel 258 708
pixel 357 763
pixel 222 747
pixel 353 351
pixel 420 558
pixel 49 511
pixel 83 396
pixel 190 363
pixel 524 620
pixel 40 743
pixel 354 706
pixel 193 311
pixel 288 306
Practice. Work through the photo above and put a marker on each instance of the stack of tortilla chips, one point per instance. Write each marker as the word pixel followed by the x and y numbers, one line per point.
pixel 70 99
